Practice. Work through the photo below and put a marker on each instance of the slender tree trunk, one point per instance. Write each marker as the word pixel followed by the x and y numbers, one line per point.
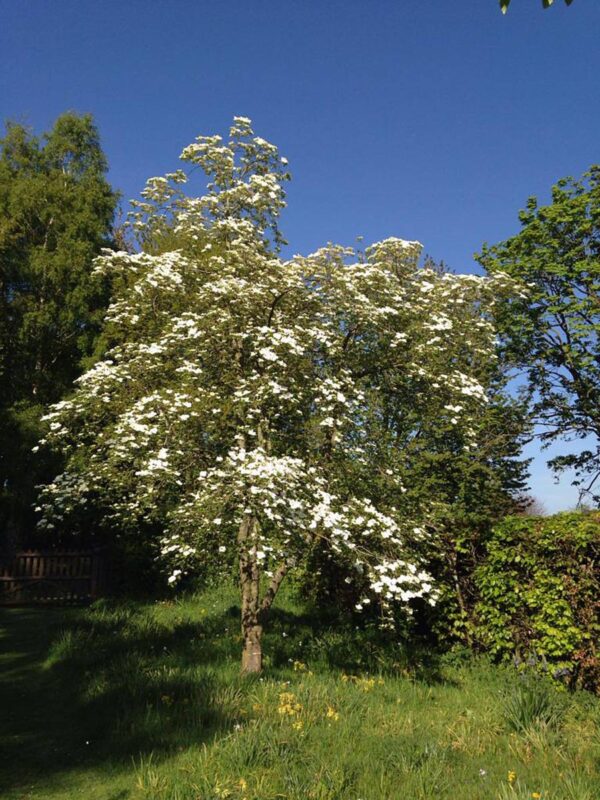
pixel 254 609
pixel 252 652
pixel 250 587
pixel 460 597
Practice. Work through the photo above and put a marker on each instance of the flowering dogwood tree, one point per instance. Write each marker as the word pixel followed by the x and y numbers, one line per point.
pixel 242 394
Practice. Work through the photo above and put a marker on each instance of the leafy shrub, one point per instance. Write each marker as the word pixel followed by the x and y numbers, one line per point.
pixel 539 594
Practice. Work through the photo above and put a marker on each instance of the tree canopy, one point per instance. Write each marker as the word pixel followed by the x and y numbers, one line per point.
pixel 554 335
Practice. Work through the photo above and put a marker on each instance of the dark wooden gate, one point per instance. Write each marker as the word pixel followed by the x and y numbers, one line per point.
pixel 52 577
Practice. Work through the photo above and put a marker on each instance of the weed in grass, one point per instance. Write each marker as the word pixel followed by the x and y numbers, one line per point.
pixel 327 784
pixel 148 780
pixel 579 787
pixel 532 703
pixel 517 791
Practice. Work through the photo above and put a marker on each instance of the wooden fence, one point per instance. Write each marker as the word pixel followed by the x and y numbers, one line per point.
pixel 52 577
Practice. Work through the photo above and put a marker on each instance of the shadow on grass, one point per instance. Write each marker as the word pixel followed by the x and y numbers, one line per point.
pixel 338 645
pixel 78 689
pixel 81 688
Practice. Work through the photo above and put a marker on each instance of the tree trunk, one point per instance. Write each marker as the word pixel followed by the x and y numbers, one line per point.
pixel 250 588
pixel 460 597
pixel 252 652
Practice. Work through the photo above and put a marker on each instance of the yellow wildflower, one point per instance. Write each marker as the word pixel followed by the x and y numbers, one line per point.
pixel 332 713
pixel 298 725
pixel 288 705
pixel 242 784
pixel 512 776
pixel 366 684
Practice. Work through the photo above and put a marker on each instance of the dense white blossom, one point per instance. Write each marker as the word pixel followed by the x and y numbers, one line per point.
pixel 245 387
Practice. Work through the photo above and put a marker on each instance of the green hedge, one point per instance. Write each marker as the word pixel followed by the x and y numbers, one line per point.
pixel 539 594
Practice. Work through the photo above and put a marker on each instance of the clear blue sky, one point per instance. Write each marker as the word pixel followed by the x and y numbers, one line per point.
pixel 430 120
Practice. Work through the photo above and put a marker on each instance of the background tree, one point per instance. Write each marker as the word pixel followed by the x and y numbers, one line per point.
pixel 246 402
pixel 504 4
pixel 56 213
pixel 554 335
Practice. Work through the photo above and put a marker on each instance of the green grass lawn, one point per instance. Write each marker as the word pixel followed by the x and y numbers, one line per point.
pixel 144 701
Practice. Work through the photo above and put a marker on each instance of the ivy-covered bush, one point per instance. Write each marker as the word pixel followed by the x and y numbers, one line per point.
pixel 539 594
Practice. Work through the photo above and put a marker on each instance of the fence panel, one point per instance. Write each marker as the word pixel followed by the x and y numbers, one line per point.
pixel 51 577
